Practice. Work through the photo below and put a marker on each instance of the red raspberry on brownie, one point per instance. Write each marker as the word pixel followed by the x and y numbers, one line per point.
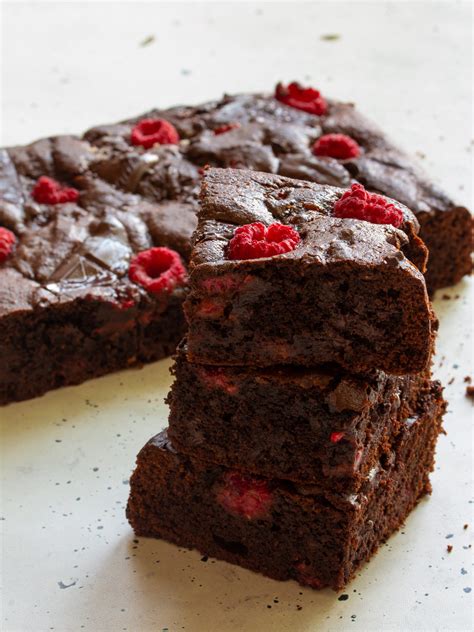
pixel 254 241
pixel 337 146
pixel 357 203
pixel 335 437
pixel 149 132
pixel 157 270
pixel 306 99
pixel 244 495
pixel 49 191
pixel 222 129
pixel 7 241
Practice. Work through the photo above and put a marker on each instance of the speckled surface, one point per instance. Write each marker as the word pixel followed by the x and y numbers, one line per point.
pixel 70 560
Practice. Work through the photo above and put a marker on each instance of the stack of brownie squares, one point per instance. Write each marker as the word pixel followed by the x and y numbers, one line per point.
pixel 303 418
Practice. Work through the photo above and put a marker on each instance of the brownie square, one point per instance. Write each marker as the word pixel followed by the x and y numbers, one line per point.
pixel 322 426
pixel 350 292
pixel 68 309
pixel 275 527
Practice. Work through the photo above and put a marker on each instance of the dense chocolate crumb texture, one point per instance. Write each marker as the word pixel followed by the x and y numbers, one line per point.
pixel 346 291
pixel 319 426
pixel 279 528
pixel 138 184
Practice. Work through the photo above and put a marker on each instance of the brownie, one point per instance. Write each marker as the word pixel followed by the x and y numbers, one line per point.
pixel 322 426
pixel 158 189
pixel 68 310
pixel 282 529
pixel 256 131
pixel 348 293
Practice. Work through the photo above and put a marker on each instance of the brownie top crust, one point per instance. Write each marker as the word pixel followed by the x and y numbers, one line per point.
pixel 78 249
pixel 266 135
pixel 150 195
pixel 232 198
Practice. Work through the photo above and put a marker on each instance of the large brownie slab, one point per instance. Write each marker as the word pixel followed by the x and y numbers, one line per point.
pixel 282 529
pixel 322 426
pixel 349 292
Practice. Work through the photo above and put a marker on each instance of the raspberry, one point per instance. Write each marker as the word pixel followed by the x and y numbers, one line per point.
pixel 358 457
pixel 216 377
pixel 243 495
pixel 226 128
pixel 210 308
pixel 370 207
pixel 337 146
pixel 7 241
pixel 49 191
pixel 253 241
pixel 226 283
pixel 336 437
pixel 126 304
pixel 306 99
pixel 157 270
pixel 305 577
pixel 148 132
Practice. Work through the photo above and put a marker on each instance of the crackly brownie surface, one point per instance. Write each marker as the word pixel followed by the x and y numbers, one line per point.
pixel 252 521
pixel 317 425
pixel 68 309
pixel 344 290
pixel 260 132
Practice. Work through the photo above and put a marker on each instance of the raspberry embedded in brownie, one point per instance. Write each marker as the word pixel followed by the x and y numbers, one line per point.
pixel 319 425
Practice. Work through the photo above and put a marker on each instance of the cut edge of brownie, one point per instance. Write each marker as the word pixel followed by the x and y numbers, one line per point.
pixel 251 522
pixel 320 425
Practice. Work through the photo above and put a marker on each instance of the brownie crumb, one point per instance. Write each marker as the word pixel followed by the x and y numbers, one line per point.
pixel 343 597
pixel 465 526
pixel 446 297
pixel 147 41
pixel 470 391
pixel 449 548
pixel 330 37
pixel 468 379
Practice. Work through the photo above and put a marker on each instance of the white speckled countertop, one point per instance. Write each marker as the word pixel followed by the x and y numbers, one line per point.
pixel 69 559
